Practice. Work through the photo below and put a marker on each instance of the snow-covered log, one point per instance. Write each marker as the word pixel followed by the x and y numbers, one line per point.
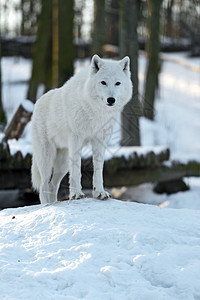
pixel 129 166
pixel 21 117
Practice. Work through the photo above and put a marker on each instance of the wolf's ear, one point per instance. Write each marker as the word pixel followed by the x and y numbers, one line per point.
pixel 125 64
pixel 96 63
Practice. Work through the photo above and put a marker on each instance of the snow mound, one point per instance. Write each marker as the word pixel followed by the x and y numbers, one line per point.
pixel 91 249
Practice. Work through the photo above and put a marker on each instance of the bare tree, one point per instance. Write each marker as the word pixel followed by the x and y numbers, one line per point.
pixel 42 51
pixel 2 114
pixel 99 33
pixel 54 49
pixel 129 46
pixel 169 28
pixel 55 43
pixel 153 57
pixel 66 38
pixel 112 22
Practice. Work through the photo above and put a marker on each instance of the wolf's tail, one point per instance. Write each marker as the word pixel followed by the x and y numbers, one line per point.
pixel 35 175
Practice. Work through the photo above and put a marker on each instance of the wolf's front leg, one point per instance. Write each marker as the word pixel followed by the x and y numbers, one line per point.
pixel 98 149
pixel 75 147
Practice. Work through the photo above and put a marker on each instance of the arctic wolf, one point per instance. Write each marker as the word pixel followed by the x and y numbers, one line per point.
pixel 65 119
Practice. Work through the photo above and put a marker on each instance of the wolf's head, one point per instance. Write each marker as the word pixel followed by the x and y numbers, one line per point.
pixel 109 85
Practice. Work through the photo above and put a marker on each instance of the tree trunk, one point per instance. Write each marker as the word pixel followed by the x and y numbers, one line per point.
pixel 129 46
pixel 169 26
pixel 99 34
pixel 54 49
pixel 42 52
pixel 18 122
pixel 153 58
pixel 55 43
pixel 66 38
pixel 2 113
pixel 112 22
pixel 22 31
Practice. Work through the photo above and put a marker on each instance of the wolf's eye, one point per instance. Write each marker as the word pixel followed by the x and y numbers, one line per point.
pixel 117 83
pixel 103 82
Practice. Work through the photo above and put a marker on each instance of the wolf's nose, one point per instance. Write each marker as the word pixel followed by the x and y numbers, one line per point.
pixel 111 101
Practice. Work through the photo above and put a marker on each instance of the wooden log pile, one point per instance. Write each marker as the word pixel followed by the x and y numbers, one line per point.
pixel 118 171
pixel 14 170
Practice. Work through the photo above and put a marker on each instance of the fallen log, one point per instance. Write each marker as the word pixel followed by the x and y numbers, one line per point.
pixel 136 167
pixel 22 116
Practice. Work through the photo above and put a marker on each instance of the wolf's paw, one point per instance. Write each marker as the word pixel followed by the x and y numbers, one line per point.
pixel 102 195
pixel 75 196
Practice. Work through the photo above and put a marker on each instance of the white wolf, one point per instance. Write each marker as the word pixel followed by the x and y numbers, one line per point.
pixel 65 119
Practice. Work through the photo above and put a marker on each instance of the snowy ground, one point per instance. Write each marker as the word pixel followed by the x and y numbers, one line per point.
pixel 144 194
pixel 177 109
pixel 92 249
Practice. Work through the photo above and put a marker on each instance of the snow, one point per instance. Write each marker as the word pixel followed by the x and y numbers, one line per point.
pixel 182 58
pixel 21 145
pixel 27 105
pixel 177 108
pixel 2 136
pixel 15 76
pixel 189 199
pixel 91 249
pixel 144 193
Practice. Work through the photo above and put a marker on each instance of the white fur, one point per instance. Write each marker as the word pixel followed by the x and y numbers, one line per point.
pixel 66 118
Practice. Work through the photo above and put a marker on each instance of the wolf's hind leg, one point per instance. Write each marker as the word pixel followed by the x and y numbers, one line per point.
pixel 60 168
pixel 45 163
